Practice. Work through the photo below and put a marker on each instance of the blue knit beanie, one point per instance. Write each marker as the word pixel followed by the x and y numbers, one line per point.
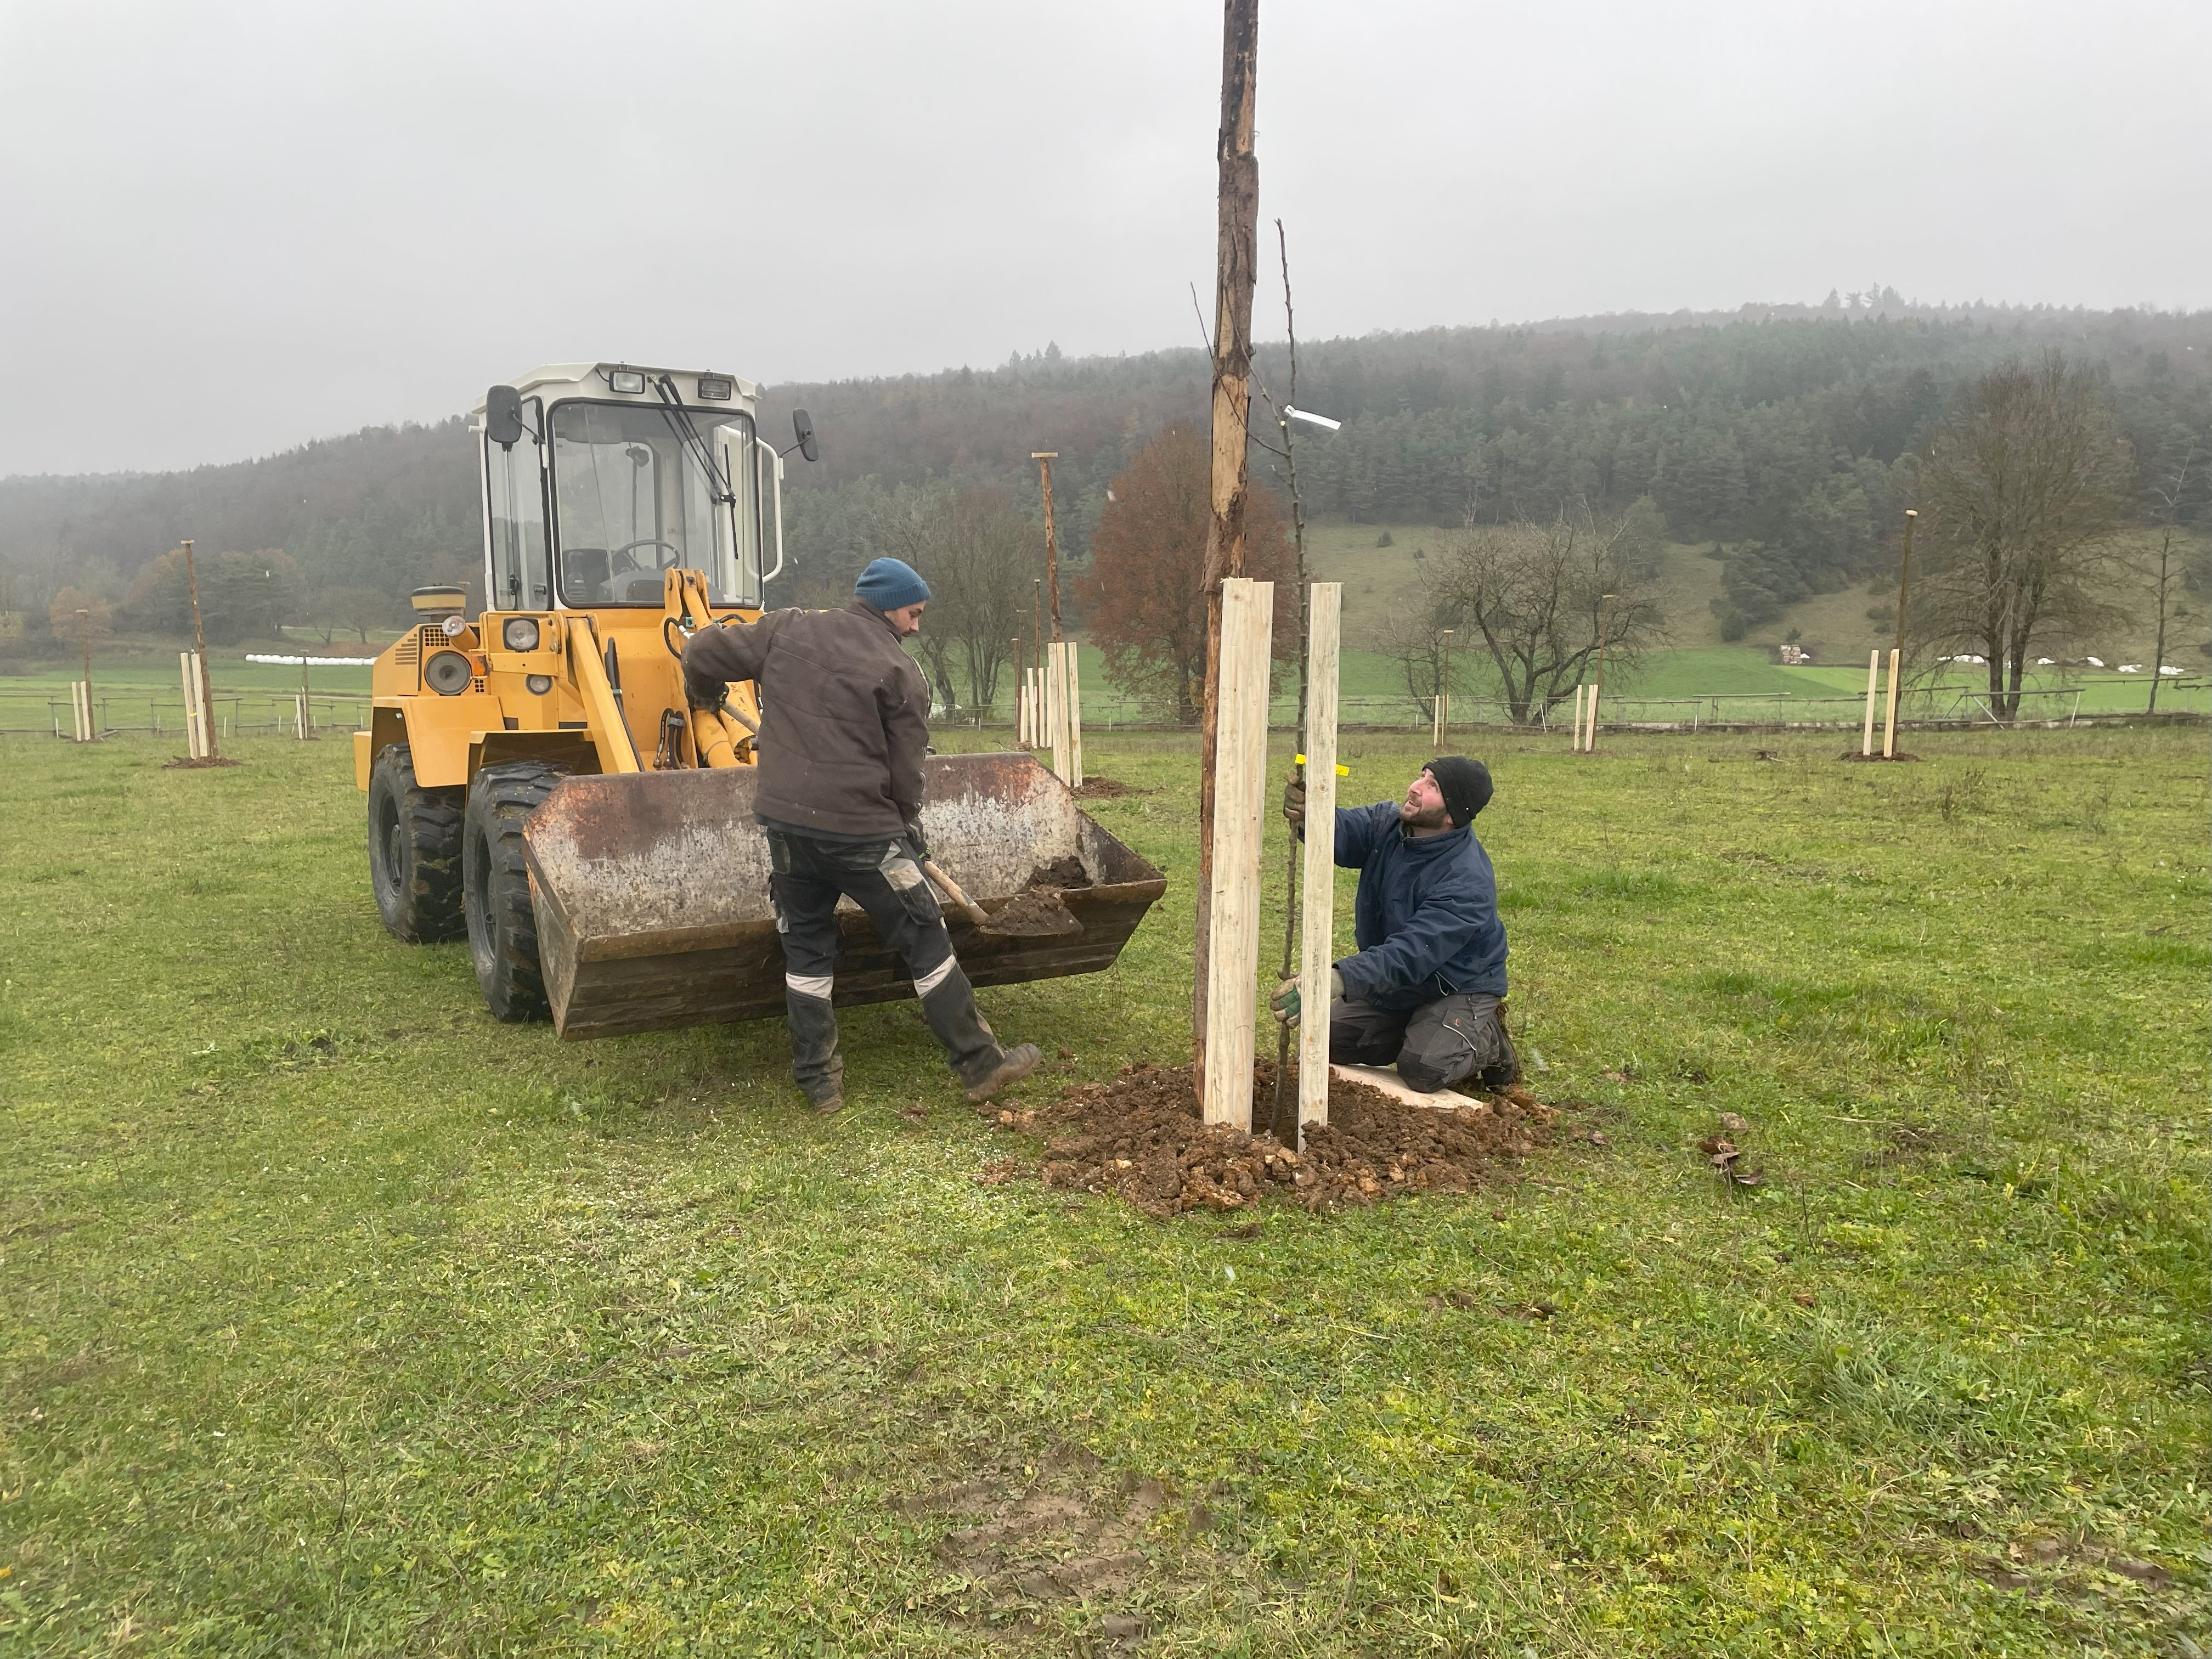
pixel 890 585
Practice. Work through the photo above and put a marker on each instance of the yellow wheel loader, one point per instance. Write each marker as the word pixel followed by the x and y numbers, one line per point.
pixel 538 782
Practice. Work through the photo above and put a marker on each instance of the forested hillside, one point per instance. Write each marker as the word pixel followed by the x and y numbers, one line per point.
pixel 1776 431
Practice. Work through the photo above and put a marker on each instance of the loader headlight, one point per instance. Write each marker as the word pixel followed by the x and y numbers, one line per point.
pixel 520 634
pixel 447 672
pixel 715 388
pixel 539 685
pixel 631 380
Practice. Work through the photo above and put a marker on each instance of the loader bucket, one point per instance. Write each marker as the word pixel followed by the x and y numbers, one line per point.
pixel 651 892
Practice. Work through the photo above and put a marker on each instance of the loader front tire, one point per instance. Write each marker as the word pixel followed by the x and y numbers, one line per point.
pixel 495 887
pixel 413 851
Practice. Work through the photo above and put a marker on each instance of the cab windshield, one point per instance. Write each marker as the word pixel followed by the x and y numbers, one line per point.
pixel 634 496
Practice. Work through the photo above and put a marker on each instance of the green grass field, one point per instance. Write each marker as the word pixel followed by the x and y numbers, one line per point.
pixel 336 1318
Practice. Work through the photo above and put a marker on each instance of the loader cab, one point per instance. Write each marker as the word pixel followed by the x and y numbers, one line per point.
pixel 599 478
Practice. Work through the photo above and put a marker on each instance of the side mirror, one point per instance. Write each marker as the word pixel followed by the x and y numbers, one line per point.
pixel 802 428
pixel 503 417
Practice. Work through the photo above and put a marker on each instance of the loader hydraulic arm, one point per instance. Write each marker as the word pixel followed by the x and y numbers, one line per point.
pixel 609 732
pixel 716 733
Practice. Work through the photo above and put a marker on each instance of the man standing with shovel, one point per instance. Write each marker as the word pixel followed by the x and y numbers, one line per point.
pixel 844 727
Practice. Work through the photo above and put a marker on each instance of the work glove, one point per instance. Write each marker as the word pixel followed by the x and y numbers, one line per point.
pixel 915 839
pixel 1283 1005
pixel 1294 804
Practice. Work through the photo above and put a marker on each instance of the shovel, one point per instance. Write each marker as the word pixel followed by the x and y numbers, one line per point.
pixel 1036 913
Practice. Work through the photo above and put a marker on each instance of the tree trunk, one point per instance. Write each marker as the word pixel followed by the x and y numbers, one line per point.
pixel 2157 645
pixel 1237 213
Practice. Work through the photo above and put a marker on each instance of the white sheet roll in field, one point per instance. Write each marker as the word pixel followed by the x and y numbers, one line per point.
pixel 1317 921
pixel 1240 787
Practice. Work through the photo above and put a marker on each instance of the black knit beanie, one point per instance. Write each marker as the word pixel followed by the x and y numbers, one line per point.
pixel 1463 783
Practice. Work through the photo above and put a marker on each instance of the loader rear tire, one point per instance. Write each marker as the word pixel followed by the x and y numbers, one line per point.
pixel 495 887
pixel 413 851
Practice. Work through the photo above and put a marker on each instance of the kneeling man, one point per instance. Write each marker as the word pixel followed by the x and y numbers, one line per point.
pixel 1426 990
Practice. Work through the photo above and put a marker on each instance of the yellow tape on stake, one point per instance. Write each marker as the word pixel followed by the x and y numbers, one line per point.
pixel 1341 771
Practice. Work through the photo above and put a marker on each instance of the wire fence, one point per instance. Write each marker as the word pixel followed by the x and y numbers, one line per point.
pixel 126 715
pixel 43 715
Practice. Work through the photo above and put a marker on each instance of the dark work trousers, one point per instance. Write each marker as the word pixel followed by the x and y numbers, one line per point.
pixel 806 878
pixel 1434 1046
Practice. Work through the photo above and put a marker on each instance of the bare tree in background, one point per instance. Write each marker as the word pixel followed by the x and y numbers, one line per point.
pixel 1534 595
pixel 2026 486
pixel 1146 590
pixel 80 619
pixel 1411 635
pixel 2176 482
pixel 976 554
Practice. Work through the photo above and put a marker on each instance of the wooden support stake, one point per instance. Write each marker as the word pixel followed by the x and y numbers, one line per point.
pixel 1437 720
pixel 1597 686
pixel 1873 678
pixel 1889 720
pixel 1317 941
pixel 1576 747
pixel 199 656
pixel 80 709
pixel 1233 892
pixel 196 705
pixel 1073 668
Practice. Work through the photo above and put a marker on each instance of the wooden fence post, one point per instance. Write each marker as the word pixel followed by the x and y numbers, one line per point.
pixel 1071 670
pixel 1233 891
pixel 1317 941
pixel 1889 720
pixel 1874 677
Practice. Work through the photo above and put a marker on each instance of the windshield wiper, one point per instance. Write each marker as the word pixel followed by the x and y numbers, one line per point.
pixel 679 422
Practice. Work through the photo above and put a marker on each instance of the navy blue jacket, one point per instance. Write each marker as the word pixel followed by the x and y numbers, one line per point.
pixel 1426 916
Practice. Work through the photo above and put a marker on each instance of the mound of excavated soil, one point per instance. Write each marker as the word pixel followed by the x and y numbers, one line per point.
pixel 1141 1136
pixel 1105 789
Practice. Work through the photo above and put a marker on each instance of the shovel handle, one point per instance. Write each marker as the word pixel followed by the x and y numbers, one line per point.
pixel 977 916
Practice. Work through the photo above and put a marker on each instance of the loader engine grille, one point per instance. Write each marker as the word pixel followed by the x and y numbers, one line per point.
pixel 408 652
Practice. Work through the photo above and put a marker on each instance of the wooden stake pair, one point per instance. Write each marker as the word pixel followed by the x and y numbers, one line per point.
pixel 1240 808
pixel 199 741
pixel 1889 716
pixel 1585 741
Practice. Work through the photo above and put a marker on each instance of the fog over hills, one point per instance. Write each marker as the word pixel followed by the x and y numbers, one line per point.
pixel 1778 429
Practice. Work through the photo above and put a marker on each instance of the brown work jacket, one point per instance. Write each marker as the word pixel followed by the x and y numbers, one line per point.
pixel 844 716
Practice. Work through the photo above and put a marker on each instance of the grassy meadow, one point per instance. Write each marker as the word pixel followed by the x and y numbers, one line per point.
pixel 336 1318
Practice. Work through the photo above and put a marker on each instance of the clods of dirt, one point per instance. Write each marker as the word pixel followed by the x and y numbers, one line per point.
pixel 1059 874
pixel 1141 1136
pixel 1035 913
pixel 1105 789
pixel 186 763
pixel 1854 755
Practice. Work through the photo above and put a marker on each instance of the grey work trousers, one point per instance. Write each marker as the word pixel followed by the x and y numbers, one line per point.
pixel 806 876
pixel 1434 1046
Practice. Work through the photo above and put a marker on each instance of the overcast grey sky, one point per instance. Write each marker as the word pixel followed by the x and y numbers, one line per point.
pixel 233 227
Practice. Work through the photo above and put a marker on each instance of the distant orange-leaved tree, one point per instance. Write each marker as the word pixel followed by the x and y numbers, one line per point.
pixel 1143 596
